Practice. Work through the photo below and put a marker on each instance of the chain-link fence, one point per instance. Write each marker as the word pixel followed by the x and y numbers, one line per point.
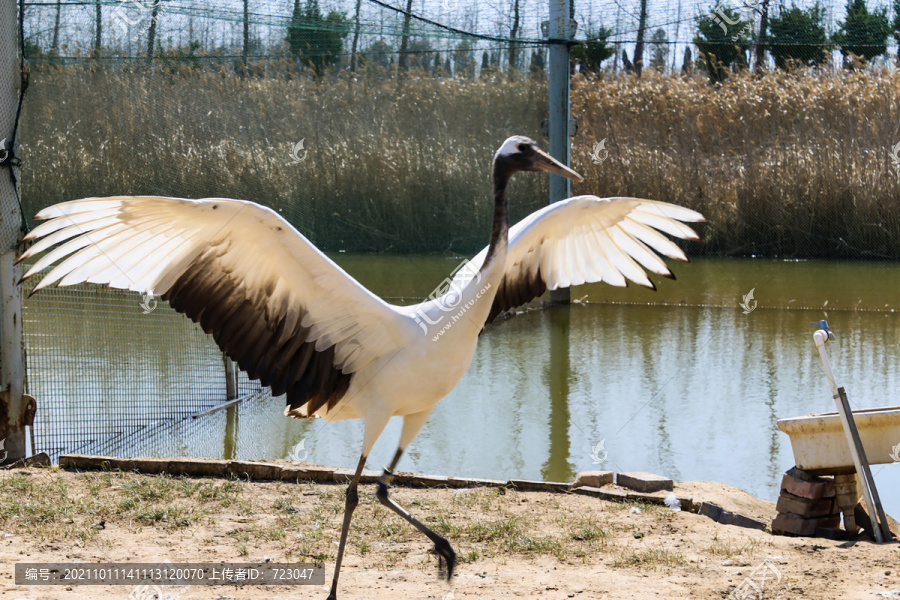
pixel 370 125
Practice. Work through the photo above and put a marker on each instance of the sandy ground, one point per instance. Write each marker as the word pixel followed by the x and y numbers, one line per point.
pixel 512 544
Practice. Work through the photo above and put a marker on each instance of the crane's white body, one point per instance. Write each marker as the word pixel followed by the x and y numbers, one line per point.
pixel 412 381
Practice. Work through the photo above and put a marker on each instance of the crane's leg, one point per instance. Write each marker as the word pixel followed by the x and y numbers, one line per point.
pixel 411 426
pixel 349 506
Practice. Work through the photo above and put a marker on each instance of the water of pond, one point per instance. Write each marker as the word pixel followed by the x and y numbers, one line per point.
pixel 679 382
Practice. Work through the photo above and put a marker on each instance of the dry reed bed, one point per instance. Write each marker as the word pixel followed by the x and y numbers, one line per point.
pixel 790 164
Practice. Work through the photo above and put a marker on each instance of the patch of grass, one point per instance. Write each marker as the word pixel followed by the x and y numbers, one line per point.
pixel 444 525
pixel 468 555
pixel 536 544
pixel 149 488
pixel 224 494
pixel 363 546
pixel 36 500
pixel 151 515
pixel 502 529
pixel 585 528
pixel 17 483
pixel 42 506
pixel 284 505
pixel 274 533
pixel 241 536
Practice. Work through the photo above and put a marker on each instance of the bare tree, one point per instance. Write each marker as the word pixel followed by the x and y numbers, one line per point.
pixel 98 23
pixel 639 46
pixel 615 66
pixel 353 59
pixel 761 39
pixel 626 64
pixel 514 33
pixel 151 34
pixel 659 49
pixel 404 42
pixel 54 46
pixel 675 48
pixel 246 51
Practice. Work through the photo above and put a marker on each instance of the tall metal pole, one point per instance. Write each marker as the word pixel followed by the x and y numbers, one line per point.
pixel 12 368
pixel 559 32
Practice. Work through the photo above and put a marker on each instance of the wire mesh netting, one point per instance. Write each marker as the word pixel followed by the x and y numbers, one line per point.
pixel 370 125
pixel 455 36
pixel 112 367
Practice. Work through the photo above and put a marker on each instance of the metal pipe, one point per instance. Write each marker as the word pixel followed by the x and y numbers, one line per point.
pixel 857 451
pixel 219 407
pixel 877 516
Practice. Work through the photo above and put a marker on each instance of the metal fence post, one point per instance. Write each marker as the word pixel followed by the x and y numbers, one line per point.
pixel 12 367
pixel 559 32
pixel 231 378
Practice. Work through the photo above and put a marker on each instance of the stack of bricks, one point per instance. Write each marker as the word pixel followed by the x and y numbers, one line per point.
pixel 806 503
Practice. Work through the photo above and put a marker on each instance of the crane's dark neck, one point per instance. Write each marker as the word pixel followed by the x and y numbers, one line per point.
pixel 500 229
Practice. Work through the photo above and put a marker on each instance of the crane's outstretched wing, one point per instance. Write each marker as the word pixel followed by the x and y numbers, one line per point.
pixel 281 309
pixel 587 239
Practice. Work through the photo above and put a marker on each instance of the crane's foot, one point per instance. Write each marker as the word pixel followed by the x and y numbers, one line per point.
pixel 333 594
pixel 445 553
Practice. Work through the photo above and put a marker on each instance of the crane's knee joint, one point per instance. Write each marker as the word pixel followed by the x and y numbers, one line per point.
pixel 387 477
pixel 381 492
pixel 352 497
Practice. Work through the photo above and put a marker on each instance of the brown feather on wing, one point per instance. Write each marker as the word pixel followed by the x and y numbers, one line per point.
pixel 209 295
pixel 518 287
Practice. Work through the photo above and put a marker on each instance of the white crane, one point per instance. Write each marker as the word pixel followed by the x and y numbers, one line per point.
pixel 293 319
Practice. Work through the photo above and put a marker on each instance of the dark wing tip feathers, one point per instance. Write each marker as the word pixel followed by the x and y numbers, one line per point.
pixel 208 295
pixel 516 289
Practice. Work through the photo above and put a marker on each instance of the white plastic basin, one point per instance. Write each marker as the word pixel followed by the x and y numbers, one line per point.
pixel 820 444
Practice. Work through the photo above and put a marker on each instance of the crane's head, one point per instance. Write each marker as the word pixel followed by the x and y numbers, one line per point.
pixel 520 153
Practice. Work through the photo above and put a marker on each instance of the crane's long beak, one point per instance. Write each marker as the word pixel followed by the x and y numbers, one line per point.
pixel 545 162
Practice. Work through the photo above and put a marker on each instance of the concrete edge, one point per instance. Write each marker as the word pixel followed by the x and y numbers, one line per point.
pixel 267 471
